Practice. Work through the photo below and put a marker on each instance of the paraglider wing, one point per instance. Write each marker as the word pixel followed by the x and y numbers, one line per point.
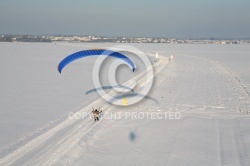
pixel 85 53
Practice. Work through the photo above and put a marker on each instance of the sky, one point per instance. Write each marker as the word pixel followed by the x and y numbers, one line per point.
pixel 132 18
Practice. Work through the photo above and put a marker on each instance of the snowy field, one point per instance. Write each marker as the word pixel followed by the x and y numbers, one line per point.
pixel 209 85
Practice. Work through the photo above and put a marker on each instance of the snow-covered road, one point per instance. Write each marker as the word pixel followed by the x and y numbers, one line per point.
pixel 50 146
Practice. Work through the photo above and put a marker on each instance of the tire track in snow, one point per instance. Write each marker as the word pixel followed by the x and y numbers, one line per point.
pixel 232 79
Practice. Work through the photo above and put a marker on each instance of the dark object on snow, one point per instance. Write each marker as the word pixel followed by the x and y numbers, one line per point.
pixel 132 136
pixel 96 114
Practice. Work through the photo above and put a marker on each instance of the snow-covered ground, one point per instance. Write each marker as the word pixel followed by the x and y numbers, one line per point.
pixel 207 84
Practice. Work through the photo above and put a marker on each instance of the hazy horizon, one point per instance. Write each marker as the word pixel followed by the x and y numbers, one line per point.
pixel 178 38
pixel 172 19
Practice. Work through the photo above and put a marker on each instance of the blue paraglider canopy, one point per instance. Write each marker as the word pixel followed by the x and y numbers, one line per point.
pixel 96 52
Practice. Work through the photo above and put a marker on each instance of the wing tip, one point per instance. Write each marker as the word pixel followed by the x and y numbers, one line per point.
pixel 59 70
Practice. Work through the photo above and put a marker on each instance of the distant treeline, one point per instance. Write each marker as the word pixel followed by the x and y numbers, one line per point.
pixel 23 39
pixel 5 39
pixel 101 39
